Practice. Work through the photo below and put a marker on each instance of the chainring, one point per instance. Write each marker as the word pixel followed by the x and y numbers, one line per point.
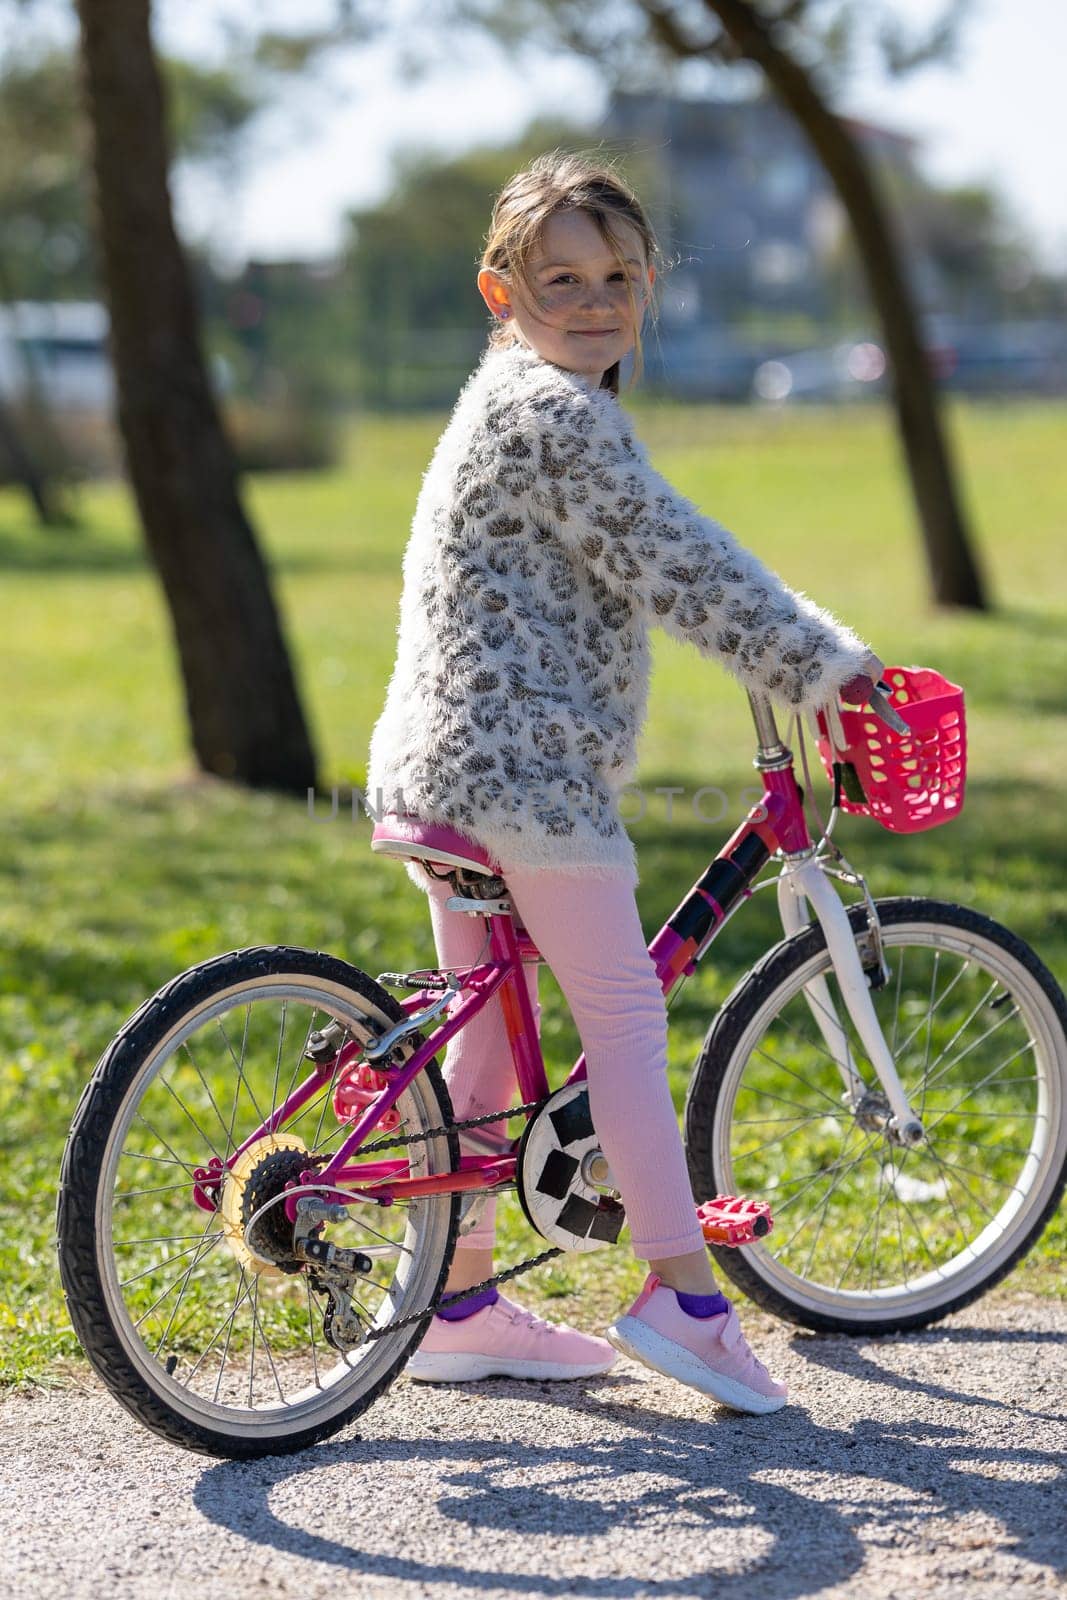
pixel 552 1175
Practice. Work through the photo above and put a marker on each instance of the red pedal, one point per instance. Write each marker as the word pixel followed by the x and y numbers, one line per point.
pixel 732 1221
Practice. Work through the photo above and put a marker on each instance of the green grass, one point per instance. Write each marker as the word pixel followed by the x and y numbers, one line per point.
pixel 118 868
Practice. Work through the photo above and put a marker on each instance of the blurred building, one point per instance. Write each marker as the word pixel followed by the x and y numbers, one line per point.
pixel 57 350
pixel 742 203
pixel 749 221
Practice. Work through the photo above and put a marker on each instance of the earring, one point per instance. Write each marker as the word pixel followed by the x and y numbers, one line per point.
pixel 503 315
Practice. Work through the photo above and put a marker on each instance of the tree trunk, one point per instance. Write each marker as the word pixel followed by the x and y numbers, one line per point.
pixel 244 711
pixel 953 568
pixel 26 471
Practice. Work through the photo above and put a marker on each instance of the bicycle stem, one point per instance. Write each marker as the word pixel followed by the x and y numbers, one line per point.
pixel 803 879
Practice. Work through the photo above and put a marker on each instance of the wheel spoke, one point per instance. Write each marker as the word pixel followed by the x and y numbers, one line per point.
pixel 188 1165
pixel 870 1223
pixel 765 1094
pixel 972 1172
pixel 225 1324
pixel 840 1173
pixel 312 1335
pixel 808 1179
pixel 780 1138
pixel 242 1294
pixel 158 1266
pixel 166 1188
pixel 240 1065
pixel 976 1088
pixel 934 1076
pixel 949 1175
pixel 913 1035
pixel 303 1056
pixel 883 1156
pixel 208 1092
pixel 278 1060
pixel 266 1345
pixel 984 1145
pixel 179 1101
pixel 159 1238
pixel 327 1099
pixel 805 1081
pixel 163 1161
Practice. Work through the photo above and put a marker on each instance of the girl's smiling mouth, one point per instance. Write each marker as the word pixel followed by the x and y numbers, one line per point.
pixel 593 333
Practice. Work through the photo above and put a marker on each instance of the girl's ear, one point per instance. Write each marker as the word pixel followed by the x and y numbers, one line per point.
pixel 494 291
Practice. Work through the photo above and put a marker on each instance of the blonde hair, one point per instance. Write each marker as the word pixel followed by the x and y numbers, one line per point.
pixel 563 181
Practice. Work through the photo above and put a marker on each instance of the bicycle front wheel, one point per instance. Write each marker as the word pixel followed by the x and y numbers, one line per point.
pixel 184 1288
pixel 871 1237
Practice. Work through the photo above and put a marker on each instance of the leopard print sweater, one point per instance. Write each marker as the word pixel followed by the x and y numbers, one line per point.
pixel 543 547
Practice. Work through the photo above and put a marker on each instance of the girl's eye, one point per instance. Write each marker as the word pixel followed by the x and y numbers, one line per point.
pixel 569 277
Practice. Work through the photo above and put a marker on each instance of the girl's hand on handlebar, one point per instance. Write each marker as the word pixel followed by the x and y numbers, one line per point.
pixel 857 691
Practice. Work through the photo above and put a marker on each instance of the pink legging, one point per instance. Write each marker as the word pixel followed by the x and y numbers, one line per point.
pixel 588 930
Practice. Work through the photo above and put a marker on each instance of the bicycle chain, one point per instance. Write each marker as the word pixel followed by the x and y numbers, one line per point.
pixel 453 1127
pixel 456 1297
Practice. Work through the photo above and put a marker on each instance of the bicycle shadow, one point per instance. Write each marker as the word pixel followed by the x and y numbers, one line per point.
pixel 857 1361
pixel 780 1507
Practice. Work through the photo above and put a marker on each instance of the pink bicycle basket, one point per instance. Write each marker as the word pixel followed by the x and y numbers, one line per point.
pixel 905 782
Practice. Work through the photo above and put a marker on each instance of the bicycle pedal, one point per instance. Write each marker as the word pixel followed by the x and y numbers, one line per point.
pixel 411 980
pixel 731 1220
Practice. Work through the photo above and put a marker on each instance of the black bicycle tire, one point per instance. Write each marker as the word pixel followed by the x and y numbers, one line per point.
pixel 80 1173
pixel 768 975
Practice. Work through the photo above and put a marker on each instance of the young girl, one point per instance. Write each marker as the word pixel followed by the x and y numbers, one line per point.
pixel 543 547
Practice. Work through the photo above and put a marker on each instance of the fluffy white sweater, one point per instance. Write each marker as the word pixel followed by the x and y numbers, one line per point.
pixel 544 545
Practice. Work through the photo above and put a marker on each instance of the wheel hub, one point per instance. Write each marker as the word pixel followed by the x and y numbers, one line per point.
pixel 873 1112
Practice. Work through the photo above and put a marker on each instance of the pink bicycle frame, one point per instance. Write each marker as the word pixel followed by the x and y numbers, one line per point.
pixel 776 822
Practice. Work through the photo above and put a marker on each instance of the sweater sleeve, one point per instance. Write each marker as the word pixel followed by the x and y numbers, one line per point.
pixel 645 541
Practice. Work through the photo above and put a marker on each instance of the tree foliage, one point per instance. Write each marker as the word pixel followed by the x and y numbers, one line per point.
pixel 45 251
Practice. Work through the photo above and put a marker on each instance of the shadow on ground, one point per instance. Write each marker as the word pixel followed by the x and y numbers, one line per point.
pixel 784 1506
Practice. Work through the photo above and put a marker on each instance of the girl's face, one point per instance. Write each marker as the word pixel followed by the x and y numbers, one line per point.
pixel 580 316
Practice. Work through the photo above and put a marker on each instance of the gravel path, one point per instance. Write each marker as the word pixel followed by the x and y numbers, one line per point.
pixel 926 1466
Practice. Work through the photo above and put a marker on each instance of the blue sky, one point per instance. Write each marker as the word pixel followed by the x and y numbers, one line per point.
pixel 998 115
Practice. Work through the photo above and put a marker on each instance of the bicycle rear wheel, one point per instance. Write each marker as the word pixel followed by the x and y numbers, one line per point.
pixel 871 1237
pixel 210 1331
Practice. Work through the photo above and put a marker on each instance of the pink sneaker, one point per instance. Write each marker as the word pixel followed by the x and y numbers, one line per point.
pixel 710 1354
pixel 504 1341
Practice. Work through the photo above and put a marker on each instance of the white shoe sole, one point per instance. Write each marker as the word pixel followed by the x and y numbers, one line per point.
pixel 635 1338
pixel 458 1368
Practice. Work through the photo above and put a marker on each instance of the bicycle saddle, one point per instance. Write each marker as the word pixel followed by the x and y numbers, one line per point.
pixel 412 839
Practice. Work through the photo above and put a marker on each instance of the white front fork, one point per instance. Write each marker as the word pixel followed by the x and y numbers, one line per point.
pixel 805 880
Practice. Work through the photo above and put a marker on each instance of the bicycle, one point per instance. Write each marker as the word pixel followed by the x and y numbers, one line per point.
pixel 263 1187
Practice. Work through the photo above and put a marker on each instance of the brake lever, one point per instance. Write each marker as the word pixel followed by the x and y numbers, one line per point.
pixel 883 707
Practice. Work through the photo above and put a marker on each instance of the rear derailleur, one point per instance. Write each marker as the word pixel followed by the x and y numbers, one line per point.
pixel 332 1271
